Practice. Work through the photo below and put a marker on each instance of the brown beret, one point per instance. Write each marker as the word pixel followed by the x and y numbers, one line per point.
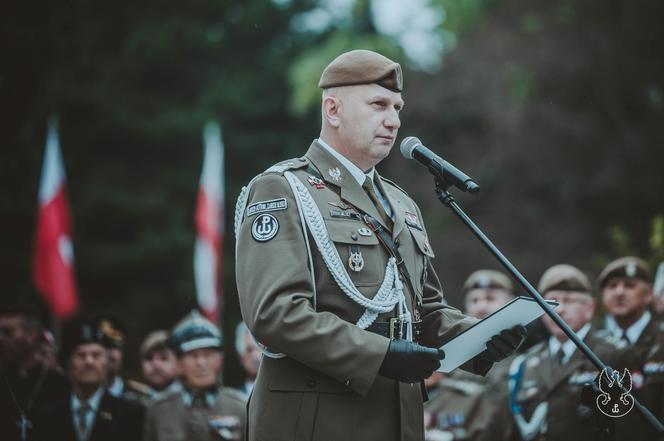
pixel 362 67
pixel 154 340
pixel 488 279
pixel 564 277
pixel 630 266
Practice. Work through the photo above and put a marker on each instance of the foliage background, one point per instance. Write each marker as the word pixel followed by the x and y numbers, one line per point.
pixel 554 107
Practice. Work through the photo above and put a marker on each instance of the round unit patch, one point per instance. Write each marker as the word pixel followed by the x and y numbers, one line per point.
pixel 264 228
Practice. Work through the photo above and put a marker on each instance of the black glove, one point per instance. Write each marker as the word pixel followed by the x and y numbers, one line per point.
pixel 409 362
pixel 504 344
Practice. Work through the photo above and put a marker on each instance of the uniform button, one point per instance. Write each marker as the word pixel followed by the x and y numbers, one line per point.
pixel 353 236
pixel 311 384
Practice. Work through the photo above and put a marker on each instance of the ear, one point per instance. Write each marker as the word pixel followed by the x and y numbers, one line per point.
pixel 332 107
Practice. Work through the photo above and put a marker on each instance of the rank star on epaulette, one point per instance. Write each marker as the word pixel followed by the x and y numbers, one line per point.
pixel 316 182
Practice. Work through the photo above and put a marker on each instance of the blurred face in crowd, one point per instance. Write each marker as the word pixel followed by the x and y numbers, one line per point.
pixel 160 367
pixel 250 358
pixel 88 365
pixel 200 368
pixel 17 340
pixel 363 121
pixel 626 299
pixel 481 302
pixel 575 308
pixel 114 362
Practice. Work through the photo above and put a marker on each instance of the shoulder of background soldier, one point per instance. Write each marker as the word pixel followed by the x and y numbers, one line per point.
pixel 138 387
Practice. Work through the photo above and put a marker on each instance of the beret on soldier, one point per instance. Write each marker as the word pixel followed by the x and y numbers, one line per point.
pixel 564 277
pixel 154 340
pixel 629 266
pixel 488 279
pixel 80 331
pixel 362 67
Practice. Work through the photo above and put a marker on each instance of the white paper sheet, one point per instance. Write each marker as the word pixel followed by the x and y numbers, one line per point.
pixel 472 341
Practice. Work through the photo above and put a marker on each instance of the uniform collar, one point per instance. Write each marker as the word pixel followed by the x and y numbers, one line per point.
pixel 633 332
pixel 209 396
pixel 568 346
pixel 93 401
pixel 353 169
pixel 117 387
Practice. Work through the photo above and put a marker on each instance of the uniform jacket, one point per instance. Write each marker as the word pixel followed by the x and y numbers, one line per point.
pixel 177 417
pixel 116 419
pixel 327 386
pixel 568 419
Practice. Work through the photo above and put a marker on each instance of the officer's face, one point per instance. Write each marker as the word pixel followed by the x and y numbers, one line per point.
pixel 160 367
pixel 575 308
pixel 481 302
pixel 16 340
pixel 200 368
pixel 626 298
pixel 367 119
pixel 89 365
pixel 251 357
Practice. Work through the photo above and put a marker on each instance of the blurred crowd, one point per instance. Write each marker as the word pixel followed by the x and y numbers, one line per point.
pixel 77 389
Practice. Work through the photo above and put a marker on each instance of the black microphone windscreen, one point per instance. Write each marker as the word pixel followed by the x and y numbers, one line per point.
pixel 408 145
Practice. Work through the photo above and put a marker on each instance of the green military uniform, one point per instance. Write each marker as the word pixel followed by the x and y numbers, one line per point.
pixel 324 384
pixel 462 404
pixel 215 415
pixel 554 389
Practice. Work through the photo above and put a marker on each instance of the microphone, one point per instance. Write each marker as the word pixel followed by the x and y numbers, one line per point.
pixel 412 148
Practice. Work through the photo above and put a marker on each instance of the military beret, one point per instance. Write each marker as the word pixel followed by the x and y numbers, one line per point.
pixel 564 277
pixel 362 67
pixel 80 331
pixel 154 340
pixel 629 266
pixel 195 332
pixel 488 279
pixel 114 330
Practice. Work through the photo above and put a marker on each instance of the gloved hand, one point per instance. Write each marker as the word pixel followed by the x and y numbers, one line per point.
pixel 409 362
pixel 504 344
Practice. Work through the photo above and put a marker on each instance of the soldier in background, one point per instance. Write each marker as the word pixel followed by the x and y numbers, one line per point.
pixel 627 293
pixel 202 410
pixel 159 365
pixel 546 382
pixel 460 403
pixel 250 356
pixel 90 413
pixel 27 383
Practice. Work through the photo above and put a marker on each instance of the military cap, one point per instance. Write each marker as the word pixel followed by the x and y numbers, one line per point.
pixel 362 67
pixel 154 340
pixel 195 332
pixel 80 331
pixel 629 266
pixel 488 279
pixel 564 277
pixel 113 328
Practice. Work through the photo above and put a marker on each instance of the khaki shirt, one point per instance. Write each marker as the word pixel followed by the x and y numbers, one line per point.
pixel 181 417
pixel 327 386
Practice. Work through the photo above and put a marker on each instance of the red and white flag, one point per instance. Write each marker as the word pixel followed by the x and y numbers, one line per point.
pixel 54 254
pixel 210 224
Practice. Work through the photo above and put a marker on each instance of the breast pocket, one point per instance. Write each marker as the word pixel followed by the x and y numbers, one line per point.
pixel 361 254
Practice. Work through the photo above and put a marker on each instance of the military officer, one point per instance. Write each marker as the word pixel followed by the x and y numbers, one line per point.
pixel 546 382
pixel 90 413
pixel 202 410
pixel 626 289
pixel 159 365
pixel 335 277
pixel 462 403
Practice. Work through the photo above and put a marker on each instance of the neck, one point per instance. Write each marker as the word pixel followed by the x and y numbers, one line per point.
pixel 626 321
pixel 84 391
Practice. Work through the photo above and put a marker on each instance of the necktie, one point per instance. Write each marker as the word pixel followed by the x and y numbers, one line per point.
pixel 559 357
pixel 82 420
pixel 625 338
pixel 371 191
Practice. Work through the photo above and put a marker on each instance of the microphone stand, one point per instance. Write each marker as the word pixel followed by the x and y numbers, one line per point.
pixel 448 200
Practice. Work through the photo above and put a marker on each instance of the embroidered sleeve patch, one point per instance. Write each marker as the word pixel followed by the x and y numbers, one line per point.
pixel 264 228
pixel 267 206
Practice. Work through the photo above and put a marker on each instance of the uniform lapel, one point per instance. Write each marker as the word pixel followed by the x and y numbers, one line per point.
pixel 350 190
pixel 104 418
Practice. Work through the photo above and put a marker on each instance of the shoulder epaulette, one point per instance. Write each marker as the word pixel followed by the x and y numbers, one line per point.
pixel 138 387
pixel 289 164
pixel 394 185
